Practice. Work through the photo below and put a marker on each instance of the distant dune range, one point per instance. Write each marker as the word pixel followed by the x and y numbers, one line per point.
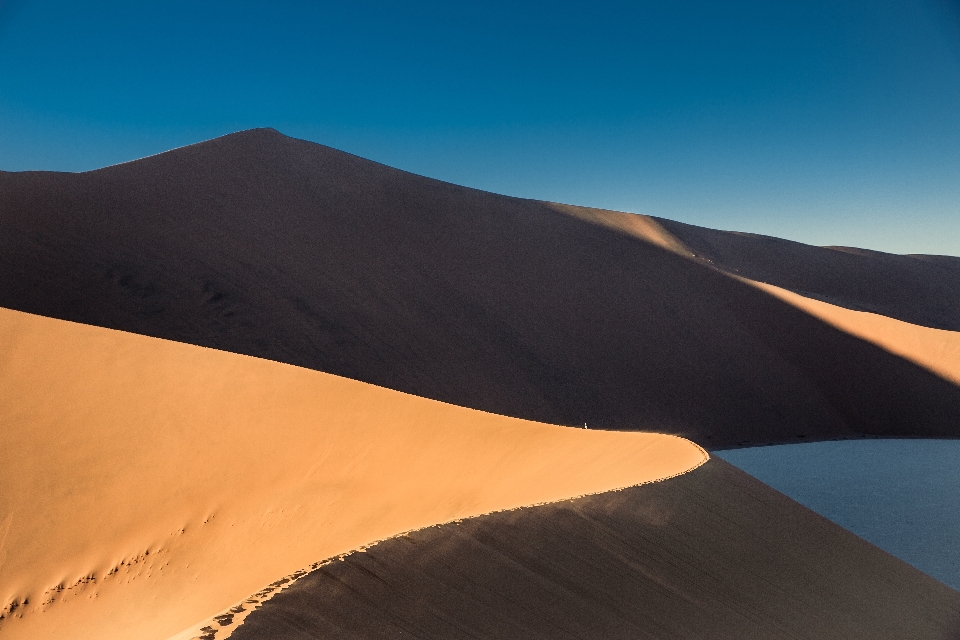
pixel 936 350
pixel 264 245
pixel 919 289
pixel 147 485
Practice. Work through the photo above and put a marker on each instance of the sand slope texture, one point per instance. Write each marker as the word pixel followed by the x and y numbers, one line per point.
pixel 936 350
pixel 923 290
pixel 147 484
pixel 711 554
pixel 260 244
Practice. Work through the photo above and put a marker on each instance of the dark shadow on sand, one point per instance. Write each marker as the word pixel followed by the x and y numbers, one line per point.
pixel 710 554
pixel 283 249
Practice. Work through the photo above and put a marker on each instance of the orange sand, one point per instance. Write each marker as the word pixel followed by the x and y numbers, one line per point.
pixel 631 224
pixel 936 350
pixel 147 484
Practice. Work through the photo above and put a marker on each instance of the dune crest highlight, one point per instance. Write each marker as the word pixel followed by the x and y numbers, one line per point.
pixel 713 553
pixel 147 484
pixel 936 350
pixel 261 244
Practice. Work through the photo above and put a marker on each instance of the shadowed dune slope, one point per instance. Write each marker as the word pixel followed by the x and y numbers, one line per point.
pixel 936 350
pixel 263 245
pixel 710 554
pixel 919 289
pixel 146 485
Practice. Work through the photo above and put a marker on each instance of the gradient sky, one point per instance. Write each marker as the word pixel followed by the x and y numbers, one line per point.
pixel 827 122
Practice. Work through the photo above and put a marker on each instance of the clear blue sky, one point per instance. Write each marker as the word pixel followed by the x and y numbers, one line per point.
pixel 828 122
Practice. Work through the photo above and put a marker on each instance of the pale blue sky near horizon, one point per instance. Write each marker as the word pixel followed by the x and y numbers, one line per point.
pixel 827 122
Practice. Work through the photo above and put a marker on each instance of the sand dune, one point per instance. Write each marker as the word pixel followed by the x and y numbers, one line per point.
pixel 918 289
pixel 934 349
pixel 711 554
pixel 264 245
pixel 146 484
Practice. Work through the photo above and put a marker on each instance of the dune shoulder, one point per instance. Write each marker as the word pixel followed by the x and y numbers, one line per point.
pixel 713 553
pixel 146 484
pixel 936 350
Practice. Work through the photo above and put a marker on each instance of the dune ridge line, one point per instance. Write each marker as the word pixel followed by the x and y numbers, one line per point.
pixel 936 350
pixel 265 245
pixel 152 482
pixel 232 617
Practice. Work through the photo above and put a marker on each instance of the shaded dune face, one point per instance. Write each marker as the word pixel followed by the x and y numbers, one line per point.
pixel 923 290
pixel 936 350
pixel 263 245
pixel 147 484
pixel 710 554
pixel 919 289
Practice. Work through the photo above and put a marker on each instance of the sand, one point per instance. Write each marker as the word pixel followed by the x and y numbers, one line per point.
pixel 147 484
pixel 936 350
pixel 264 245
pixel 918 289
pixel 711 554
pixel 840 273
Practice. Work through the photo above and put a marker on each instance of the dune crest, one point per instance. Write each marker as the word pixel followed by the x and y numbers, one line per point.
pixel 261 244
pixel 639 226
pixel 936 350
pixel 146 484
pixel 714 554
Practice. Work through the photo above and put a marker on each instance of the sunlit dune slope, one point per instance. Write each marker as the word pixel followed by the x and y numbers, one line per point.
pixel 711 554
pixel 261 244
pixel 918 289
pixel 934 349
pixel 147 484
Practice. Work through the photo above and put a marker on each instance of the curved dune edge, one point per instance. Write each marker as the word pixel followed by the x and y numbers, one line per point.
pixel 713 553
pixel 222 625
pixel 936 350
pixel 146 483
pixel 265 245
pixel 637 225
